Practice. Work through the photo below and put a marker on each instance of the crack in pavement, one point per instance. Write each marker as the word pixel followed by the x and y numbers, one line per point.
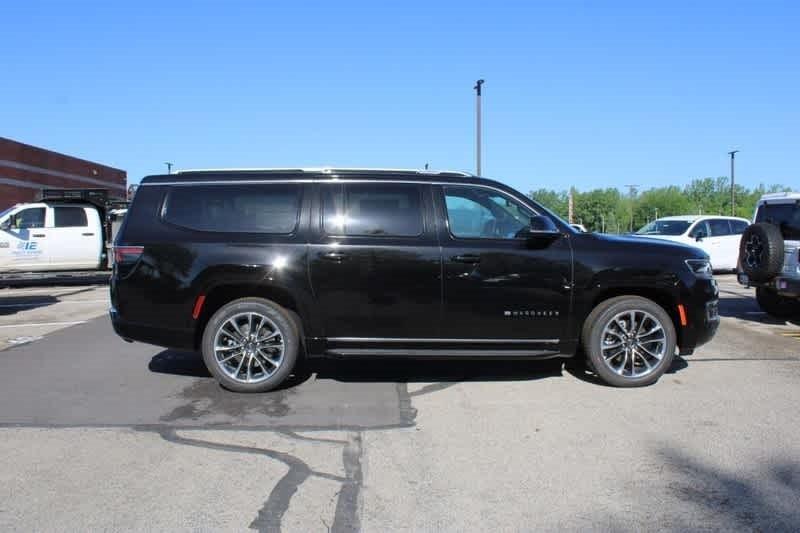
pixel 271 514
pixel 347 516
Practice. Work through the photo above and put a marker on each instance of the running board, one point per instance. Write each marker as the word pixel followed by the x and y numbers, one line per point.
pixel 440 353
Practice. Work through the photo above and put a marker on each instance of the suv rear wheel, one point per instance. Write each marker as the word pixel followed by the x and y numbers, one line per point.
pixel 775 304
pixel 629 341
pixel 250 345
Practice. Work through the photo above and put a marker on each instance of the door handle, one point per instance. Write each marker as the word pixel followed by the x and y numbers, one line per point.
pixel 88 234
pixel 466 258
pixel 334 256
pixel 38 235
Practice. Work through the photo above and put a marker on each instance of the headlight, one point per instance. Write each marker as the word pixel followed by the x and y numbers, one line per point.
pixel 700 267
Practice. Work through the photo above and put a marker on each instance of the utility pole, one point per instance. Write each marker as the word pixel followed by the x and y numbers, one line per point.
pixel 570 205
pixel 733 153
pixel 602 223
pixel 478 125
pixel 631 193
pixel 169 167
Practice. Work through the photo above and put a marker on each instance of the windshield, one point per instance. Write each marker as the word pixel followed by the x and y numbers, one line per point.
pixel 785 216
pixel 5 212
pixel 664 227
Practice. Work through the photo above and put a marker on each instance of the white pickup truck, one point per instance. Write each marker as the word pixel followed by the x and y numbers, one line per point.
pixel 62 232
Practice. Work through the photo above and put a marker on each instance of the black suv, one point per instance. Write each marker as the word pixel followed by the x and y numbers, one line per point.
pixel 259 268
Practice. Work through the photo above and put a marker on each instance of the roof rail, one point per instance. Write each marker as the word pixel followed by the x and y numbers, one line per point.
pixel 330 170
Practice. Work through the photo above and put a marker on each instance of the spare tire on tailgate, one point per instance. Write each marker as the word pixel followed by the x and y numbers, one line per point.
pixel 761 251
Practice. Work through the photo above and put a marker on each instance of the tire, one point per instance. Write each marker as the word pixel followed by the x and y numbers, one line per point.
pixel 633 363
pixel 256 365
pixel 776 305
pixel 761 251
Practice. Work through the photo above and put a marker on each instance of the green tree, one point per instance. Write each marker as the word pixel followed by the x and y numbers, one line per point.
pixel 594 208
pixel 555 201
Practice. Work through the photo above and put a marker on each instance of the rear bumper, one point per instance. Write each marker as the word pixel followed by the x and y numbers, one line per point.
pixel 784 286
pixel 179 339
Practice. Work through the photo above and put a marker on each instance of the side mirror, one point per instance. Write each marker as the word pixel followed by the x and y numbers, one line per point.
pixel 6 224
pixel 700 236
pixel 541 230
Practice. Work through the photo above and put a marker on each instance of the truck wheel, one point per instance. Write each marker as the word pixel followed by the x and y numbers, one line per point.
pixel 250 345
pixel 629 341
pixel 761 251
pixel 776 305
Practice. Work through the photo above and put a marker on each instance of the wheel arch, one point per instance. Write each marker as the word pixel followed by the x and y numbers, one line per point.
pixel 664 298
pixel 222 294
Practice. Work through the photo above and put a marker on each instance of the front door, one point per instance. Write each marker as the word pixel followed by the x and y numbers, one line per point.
pixel 496 284
pixel 374 264
pixel 76 244
pixel 23 243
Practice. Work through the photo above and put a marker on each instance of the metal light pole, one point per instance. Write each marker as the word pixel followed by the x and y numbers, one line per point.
pixel 169 167
pixel 632 192
pixel 733 196
pixel 478 125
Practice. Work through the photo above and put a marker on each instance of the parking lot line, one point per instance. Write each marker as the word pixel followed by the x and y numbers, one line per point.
pixel 37 304
pixel 37 324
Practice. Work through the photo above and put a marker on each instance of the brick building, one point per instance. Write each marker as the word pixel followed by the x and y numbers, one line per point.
pixel 25 170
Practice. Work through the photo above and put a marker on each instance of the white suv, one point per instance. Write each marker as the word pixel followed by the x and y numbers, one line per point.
pixel 717 236
pixel 769 256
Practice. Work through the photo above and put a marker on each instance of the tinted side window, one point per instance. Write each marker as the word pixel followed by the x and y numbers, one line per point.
pixel 738 226
pixel 373 209
pixel 29 218
pixel 268 208
pixel 70 217
pixel 479 213
pixel 700 230
pixel 719 227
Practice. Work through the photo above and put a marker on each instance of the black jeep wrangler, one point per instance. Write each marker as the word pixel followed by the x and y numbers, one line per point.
pixel 259 268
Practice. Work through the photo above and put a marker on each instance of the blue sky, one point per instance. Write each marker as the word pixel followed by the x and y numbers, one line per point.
pixel 590 94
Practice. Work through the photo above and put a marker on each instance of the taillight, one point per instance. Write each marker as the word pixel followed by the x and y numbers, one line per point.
pixel 126 255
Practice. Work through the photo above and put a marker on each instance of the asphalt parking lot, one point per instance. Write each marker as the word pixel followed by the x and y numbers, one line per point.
pixel 97 433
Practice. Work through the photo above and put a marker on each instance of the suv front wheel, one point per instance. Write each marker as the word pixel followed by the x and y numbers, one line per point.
pixel 629 341
pixel 250 345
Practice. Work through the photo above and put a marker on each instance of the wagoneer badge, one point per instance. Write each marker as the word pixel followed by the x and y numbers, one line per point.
pixel 530 313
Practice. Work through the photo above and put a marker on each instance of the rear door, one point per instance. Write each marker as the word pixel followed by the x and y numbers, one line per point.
pixel 24 244
pixel 374 262
pixel 75 237
pixel 497 287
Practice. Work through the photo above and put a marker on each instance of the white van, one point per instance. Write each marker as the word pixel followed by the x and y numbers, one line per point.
pixel 50 236
pixel 718 236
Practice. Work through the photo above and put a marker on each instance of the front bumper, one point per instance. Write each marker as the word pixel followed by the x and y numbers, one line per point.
pixel 701 302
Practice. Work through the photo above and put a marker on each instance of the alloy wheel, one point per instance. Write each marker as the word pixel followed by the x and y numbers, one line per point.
pixel 249 347
pixel 633 344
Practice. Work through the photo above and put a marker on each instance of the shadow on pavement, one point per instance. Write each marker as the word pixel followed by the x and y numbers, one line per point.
pixel 12 304
pixel 578 368
pixel 732 305
pixel 769 500
pixel 49 279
